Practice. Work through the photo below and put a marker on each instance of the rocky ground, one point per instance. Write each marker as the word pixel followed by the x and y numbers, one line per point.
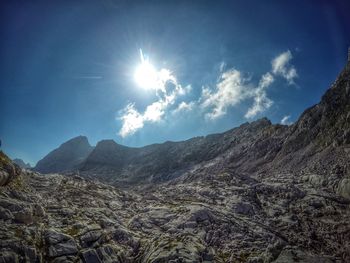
pixel 224 217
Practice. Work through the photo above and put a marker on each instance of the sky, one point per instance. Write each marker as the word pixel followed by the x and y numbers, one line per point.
pixel 146 72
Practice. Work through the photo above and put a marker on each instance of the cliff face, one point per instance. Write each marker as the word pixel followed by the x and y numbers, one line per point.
pixel 67 157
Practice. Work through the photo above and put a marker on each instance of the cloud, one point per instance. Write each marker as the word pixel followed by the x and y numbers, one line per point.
pixel 261 101
pixel 282 67
pixel 286 120
pixel 231 89
pixel 167 90
pixel 132 120
pixel 184 107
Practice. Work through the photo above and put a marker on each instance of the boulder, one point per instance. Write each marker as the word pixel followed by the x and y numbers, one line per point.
pixel 244 209
pixel 24 216
pixel 5 214
pixel 59 244
pixel 8 257
pixel 90 256
pixel 67 248
pixel 344 188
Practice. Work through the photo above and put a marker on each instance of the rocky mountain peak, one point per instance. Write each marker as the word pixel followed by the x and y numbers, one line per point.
pixel 21 163
pixel 67 157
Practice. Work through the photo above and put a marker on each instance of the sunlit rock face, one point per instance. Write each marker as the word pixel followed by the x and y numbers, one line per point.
pixel 257 193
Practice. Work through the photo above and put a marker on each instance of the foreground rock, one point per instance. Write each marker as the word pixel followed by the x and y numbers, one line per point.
pixel 221 218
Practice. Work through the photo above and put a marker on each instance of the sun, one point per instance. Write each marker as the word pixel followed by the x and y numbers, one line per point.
pixel 146 76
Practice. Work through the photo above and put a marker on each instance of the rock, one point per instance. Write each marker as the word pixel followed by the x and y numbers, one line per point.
pixel 344 188
pixel 31 255
pixel 290 255
pixel 6 214
pixel 67 248
pixel 39 210
pixel 108 254
pixel 244 209
pixel 53 237
pixel 66 259
pixel 60 244
pixel 90 237
pixel 4 177
pixel 202 215
pixel 8 257
pixel 90 256
pixel 24 216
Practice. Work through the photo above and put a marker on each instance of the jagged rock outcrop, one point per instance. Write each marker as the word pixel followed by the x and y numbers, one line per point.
pixel 22 164
pixel 8 170
pixel 65 158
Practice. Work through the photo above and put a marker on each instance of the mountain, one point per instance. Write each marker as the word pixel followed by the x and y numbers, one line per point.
pixel 250 144
pixel 257 193
pixel 65 158
pixel 317 142
pixel 21 163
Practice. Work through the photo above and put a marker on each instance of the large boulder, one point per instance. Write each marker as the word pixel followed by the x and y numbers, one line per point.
pixel 59 244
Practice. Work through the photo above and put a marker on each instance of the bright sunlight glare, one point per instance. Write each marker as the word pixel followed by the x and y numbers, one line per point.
pixel 146 76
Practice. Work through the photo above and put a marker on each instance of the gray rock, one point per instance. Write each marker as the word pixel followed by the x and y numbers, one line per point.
pixel 90 237
pixel 61 249
pixel 244 209
pixel 53 237
pixel 8 257
pixel 5 214
pixel 24 216
pixel 60 244
pixel 90 256
pixel 108 254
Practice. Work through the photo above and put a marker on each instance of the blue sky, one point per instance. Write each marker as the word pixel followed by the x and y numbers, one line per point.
pixel 68 68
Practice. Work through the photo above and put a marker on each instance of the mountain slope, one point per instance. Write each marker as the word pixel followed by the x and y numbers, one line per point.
pixel 67 157
pixel 21 163
pixel 253 143
pixel 318 142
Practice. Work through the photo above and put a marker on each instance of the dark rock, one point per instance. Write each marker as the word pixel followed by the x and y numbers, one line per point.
pixel 24 216
pixel 244 209
pixel 8 257
pixel 90 256
pixel 68 247
pixel 5 214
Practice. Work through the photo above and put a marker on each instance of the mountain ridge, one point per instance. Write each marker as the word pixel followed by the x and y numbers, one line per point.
pixel 256 147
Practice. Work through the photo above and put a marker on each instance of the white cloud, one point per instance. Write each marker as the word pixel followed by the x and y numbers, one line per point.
pixel 282 67
pixel 133 120
pixel 184 107
pixel 261 101
pixel 286 120
pixel 231 89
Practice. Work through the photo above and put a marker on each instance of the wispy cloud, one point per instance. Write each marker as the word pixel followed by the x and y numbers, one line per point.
pixel 286 120
pixel 261 101
pixel 231 89
pixel 184 107
pixel 281 67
